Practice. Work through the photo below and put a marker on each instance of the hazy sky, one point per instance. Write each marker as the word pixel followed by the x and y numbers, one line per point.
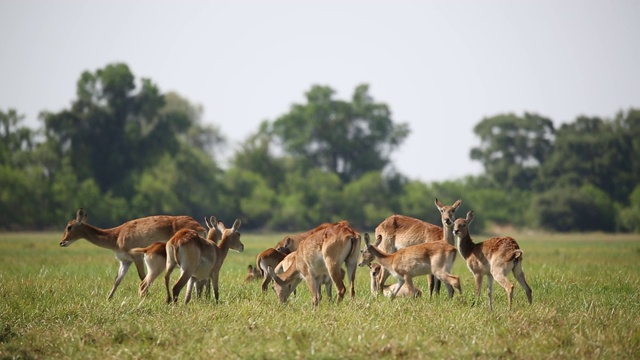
pixel 441 66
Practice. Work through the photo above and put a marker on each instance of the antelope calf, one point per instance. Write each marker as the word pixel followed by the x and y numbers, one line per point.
pixel 428 258
pixel 198 258
pixel 155 258
pixel 375 270
pixel 131 234
pixel 321 254
pixel 399 231
pixel 271 257
pixel 495 258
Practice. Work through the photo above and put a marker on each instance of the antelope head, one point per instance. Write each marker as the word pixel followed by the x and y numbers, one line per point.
pixel 282 288
pixel 232 236
pixel 448 213
pixel 366 257
pixel 74 230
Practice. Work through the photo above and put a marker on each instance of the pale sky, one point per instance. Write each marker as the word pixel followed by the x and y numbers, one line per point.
pixel 441 66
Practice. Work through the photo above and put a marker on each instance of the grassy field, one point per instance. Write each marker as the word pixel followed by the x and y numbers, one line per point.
pixel 585 287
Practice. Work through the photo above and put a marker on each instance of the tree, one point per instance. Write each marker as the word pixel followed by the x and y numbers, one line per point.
pixel 256 155
pixel 594 151
pixel 114 130
pixel 346 138
pixel 512 148
pixel 569 208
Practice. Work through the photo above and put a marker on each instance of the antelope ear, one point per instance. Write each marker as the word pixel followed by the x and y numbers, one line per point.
pixel 287 243
pixel 367 240
pixel 439 204
pixel 236 225
pixel 81 216
pixel 470 216
pixel 456 204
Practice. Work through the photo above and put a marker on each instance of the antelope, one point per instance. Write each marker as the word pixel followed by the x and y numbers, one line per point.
pixel 198 258
pixel 292 242
pixel 434 257
pixel 252 274
pixel 320 254
pixel 131 234
pixel 294 277
pixel 399 231
pixel 374 272
pixel 155 258
pixel 495 258
pixel 271 257
pixel 214 234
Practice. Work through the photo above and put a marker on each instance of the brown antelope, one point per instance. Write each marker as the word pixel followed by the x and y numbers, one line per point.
pixel 374 272
pixel 155 258
pixel 213 234
pixel 252 274
pixel 323 253
pixel 399 231
pixel 294 277
pixel 271 257
pixel 434 257
pixel 134 233
pixel 198 258
pixel 291 242
pixel 495 258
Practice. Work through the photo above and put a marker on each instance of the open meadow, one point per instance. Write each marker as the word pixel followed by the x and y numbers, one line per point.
pixel 586 304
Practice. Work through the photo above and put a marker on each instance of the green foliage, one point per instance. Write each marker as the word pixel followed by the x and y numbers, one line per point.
pixel 598 152
pixel 345 138
pixel 513 147
pixel 573 209
pixel 630 216
pixel 123 149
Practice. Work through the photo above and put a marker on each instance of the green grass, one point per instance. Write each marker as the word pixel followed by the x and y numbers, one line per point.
pixel 585 287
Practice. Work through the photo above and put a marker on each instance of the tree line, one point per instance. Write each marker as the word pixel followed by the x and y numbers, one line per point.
pixel 124 149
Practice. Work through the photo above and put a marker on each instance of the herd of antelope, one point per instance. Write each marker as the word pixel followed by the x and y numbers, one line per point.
pixel 403 247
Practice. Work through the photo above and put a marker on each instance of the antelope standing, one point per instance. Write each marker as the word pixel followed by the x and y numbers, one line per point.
pixel 155 258
pixel 198 258
pixel 399 231
pixel 294 277
pixel 271 257
pixel 495 258
pixel 321 254
pixel 131 234
pixel 434 257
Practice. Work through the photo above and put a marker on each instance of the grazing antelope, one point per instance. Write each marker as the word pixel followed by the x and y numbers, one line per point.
pixel 155 258
pixel 495 258
pixel 434 257
pixel 198 258
pixel 131 234
pixel 321 254
pixel 271 257
pixel 374 271
pixel 399 231
pixel 294 277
